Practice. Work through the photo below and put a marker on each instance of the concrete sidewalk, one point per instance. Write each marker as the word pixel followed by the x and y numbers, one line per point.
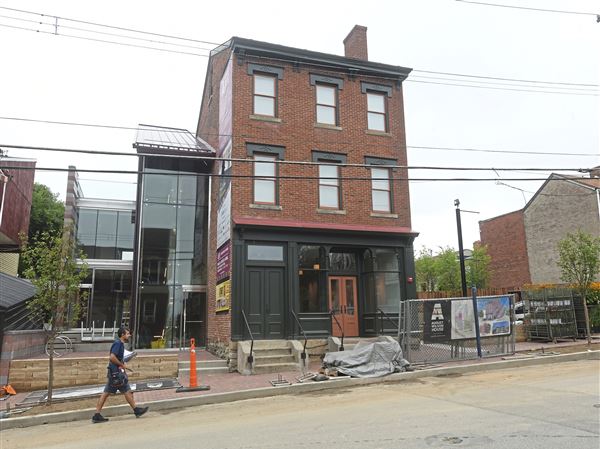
pixel 226 387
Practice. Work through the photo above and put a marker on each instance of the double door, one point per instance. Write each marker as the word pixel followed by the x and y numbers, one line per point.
pixel 342 302
pixel 264 304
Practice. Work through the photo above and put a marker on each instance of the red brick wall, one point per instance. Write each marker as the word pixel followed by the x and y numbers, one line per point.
pixel 218 324
pixel 17 198
pixel 19 345
pixel 298 134
pixel 504 237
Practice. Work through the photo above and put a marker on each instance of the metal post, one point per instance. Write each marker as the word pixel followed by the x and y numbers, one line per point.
pixel 461 254
pixel 476 315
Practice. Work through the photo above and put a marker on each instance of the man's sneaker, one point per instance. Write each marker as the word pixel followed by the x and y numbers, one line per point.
pixel 98 418
pixel 139 411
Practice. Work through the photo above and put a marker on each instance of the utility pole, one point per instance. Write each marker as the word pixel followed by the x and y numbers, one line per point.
pixel 461 254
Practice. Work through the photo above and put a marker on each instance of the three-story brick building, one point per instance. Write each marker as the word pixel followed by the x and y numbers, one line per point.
pixel 310 210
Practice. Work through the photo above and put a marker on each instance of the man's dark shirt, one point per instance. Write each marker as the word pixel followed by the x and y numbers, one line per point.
pixel 118 349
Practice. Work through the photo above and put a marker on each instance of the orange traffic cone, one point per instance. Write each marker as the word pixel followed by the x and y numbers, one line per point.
pixel 193 374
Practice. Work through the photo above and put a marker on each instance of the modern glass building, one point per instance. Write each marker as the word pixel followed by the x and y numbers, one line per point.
pixel 147 258
pixel 171 236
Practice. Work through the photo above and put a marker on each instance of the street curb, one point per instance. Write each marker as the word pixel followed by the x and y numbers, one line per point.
pixel 345 382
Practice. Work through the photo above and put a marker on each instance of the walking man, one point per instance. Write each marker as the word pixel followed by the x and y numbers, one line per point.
pixel 117 378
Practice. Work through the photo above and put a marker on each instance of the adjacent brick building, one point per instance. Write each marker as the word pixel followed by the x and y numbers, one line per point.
pixel 523 244
pixel 16 191
pixel 312 215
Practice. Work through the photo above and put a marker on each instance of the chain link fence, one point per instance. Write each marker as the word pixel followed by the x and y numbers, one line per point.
pixel 441 330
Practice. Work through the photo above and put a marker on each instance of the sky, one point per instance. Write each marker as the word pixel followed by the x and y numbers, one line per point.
pixel 53 77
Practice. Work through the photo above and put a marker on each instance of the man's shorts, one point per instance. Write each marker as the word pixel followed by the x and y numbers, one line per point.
pixel 110 388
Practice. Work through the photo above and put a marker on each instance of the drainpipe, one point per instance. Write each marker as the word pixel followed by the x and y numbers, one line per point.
pixel 4 181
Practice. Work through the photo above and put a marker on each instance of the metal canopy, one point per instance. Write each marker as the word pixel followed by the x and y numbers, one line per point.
pixel 152 139
pixel 14 291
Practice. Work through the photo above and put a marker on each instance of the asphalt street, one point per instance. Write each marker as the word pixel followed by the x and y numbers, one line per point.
pixel 549 406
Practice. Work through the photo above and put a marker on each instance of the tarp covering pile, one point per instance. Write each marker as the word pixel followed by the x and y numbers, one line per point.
pixel 374 358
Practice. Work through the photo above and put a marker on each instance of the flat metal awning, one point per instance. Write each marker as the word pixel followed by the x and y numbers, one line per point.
pixel 153 139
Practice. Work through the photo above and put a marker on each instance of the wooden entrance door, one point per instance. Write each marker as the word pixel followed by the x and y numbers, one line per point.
pixel 343 303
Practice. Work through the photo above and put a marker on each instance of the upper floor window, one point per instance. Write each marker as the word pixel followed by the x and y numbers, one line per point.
pixel 381 190
pixel 264 179
pixel 265 189
pixel 329 187
pixel 377 108
pixel 376 112
pixel 330 192
pixel 326 104
pixel 326 89
pixel 265 95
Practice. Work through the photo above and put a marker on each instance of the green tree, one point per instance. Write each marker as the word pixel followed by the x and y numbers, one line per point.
pixel 426 271
pixel 579 262
pixel 47 212
pixel 478 267
pixel 447 268
pixel 52 268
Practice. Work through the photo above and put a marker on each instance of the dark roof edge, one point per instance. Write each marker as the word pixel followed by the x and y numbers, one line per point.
pixel 252 47
pixel 556 176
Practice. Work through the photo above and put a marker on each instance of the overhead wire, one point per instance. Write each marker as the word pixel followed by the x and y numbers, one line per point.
pixel 481 77
pixel 338 142
pixel 285 162
pixel 561 11
pixel 285 177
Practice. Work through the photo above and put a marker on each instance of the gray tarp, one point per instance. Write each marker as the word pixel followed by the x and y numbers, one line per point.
pixel 374 358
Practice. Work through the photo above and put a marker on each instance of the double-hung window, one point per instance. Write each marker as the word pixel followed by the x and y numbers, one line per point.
pixel 265 97
pixel 377 107
pixel 264 179
pixel 330 189
pixel 265 89
pixel 376 112
pixel 381 184
pixel 265 172
pixel 326 104
pixel 329 186
pixel 380 190
pixel 326 90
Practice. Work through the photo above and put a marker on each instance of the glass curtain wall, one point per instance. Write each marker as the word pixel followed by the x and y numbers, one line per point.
pixel 105 234
pixel 173 242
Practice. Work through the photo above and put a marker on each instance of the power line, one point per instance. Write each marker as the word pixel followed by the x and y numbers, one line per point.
pixel 286 177
pixel 287 162
pixel 583 89
pixel 246 136
pixel 501 88
pixel 104 41
pixel 530 9
pixel 112 26
pixel 215 43
pixel 504 79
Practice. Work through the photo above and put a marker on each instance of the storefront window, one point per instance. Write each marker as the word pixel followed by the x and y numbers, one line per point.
pixel 382 282
pixel 342 262
pixel 312 280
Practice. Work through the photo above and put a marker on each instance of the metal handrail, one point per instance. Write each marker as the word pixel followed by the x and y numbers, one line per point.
pixel 332 313
pixel 250 357
pixel 303 355
pixel 387 317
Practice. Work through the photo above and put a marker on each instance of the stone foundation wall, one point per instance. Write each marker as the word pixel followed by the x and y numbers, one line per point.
pixel 32 374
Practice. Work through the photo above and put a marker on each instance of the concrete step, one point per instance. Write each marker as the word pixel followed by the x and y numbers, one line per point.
pixel 265 352
pixel 261 359
pixel 275 368
pixel 270 344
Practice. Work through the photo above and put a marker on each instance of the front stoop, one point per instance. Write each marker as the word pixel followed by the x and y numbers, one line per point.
pixel 270 356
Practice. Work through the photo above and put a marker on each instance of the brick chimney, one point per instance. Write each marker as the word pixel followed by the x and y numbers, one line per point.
pixel 355 44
